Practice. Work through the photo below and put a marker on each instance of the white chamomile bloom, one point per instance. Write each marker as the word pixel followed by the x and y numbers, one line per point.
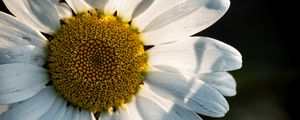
pixel 113 59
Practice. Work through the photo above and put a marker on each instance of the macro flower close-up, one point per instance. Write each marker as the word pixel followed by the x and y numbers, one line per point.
pixel 113 59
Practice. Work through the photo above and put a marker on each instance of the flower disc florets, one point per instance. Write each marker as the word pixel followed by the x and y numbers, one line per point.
pixel 96 61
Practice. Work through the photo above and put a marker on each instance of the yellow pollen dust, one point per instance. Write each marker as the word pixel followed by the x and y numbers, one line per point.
pixel 96 62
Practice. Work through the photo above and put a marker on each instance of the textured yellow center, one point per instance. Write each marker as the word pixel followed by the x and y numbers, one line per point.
pixel 96 62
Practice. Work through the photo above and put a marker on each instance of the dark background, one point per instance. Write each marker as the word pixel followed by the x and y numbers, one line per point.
pixel 265 34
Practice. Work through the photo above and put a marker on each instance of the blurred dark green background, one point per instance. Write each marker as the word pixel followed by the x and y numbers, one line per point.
pixel 263 32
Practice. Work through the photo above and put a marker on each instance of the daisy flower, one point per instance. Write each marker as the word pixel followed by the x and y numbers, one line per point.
pixel 113 59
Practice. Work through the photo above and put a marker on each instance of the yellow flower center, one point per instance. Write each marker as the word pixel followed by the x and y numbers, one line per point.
pixel 96 62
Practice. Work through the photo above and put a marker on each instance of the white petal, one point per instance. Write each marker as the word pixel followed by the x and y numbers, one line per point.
pixel 132 110
pixel 109 116
pixel 153 9
pixel 154 107
pixel 40 14
pixel 99 4
pixel 141 7
pixel 125 114
pixel 86 115
pixel 20 81
pixel 127 8
pixel 32 108
pixel 69 113
pixel 188 92
pixel 17 33
pixel 76 114
pixel 57 110
pixel 196 55
pixel 79 6
pixel 13 97
pixel 3 108
pixel 181 20
pixel 17 76
pixel 63 10
pixel 151 106
pixel 222 81
pixel 111 6
pixel 121 114
pixel 23 54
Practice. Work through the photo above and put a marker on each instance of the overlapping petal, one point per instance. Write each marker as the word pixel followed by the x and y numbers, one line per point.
pixel 57 110
pixel 69 113
pixel 20 81
pixel 40 14
pixel 152 106
pixel 165 21
pixel 127 8
pixel 221 81
pixel 64 10
pixel 196 55
pixel 187 92
pixel 98 4
pixel 78 6
pixel 33 108
pixel 14 32
pixel 86 115
pixel 19 43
